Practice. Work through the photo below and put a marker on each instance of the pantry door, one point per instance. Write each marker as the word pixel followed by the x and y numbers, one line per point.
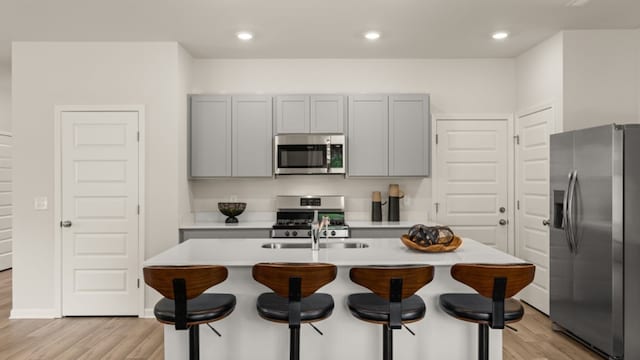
pixel 532 200
pixel 99 223
pixel 471 181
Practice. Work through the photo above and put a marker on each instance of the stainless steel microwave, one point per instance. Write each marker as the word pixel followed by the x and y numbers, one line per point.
pixel 309 154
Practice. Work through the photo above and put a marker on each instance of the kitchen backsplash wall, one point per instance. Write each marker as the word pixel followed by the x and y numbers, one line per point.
pixel 260 194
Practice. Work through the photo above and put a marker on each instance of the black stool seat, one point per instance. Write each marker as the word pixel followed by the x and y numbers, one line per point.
pixel 371 307
pixel 477 308
pixel 314 307
pixel 201 309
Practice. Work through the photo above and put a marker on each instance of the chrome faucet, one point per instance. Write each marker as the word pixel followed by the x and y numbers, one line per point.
pixel 316 230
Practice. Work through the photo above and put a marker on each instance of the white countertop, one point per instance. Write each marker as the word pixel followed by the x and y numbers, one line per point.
pixel 211 221
pixel 214 225
pixel 386 224
pixel 247 252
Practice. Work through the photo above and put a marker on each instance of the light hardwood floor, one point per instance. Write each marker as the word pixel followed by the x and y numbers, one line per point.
pixel 132 338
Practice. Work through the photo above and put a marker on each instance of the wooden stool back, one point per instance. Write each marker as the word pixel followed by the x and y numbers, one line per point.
pixel 481 277
pixel 198 278
pixel 276 276
pixel 378 278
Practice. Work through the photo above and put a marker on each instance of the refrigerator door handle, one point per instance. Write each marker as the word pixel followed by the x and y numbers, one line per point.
pixel 566 224
pixel 572 194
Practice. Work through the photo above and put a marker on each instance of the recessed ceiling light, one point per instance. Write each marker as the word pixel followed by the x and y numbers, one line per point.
pixel 245 35
pixel 372 35
pixel 500 35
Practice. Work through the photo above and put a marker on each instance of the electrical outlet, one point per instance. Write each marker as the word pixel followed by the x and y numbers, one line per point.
pixel 40 203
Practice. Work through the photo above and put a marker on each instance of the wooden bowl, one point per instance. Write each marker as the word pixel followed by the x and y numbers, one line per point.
pixel 455 243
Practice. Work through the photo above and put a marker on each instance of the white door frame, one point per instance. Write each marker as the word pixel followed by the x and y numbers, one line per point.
pixel 554 128
pixel 57 195
pixel 510 164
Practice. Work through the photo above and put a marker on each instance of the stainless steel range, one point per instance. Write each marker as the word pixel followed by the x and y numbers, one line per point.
pixel 295 215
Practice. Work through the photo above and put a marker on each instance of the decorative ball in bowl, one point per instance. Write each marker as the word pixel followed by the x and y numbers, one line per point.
pixel 231 209
pixel 431 239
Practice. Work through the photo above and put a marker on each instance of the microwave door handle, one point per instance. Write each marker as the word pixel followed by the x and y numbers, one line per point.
pixel 565 215
pixel 328 155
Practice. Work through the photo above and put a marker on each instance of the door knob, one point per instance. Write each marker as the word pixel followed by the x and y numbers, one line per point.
pixel 503 222
pixel 545 222
pixel 65 223
pixel 502 209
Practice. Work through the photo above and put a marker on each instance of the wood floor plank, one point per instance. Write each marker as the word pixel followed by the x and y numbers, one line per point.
pixel 127 338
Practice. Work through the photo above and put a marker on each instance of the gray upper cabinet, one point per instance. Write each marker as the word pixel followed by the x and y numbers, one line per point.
pixel 327 114
pixel 368 145
pixel 301 114
pixel 409 135
pixel 292 114
pixel 389 135
pixel 252 136
pixel 230 136
pixel 210 136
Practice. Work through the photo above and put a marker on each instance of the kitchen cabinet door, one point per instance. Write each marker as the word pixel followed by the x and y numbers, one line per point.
pixel 252 136
pixel 292 114
pixel 210 136
pixel 327 114
pixel 409 135
pixel 368 143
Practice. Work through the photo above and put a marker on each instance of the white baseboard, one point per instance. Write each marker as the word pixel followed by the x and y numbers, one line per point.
pixel 148 313
pixel 33 314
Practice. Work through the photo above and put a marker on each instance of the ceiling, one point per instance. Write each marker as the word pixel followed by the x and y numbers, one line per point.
pixel 313 28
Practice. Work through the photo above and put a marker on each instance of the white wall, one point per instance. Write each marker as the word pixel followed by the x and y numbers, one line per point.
pixel 456 86
pixel 184 82
pixel 600 77
pixel 55 73
pixel 638 68
pixel 5 97
pixel 539 77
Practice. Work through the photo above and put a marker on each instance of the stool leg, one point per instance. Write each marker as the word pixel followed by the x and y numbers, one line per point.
pixel 483 342
pixel 194 342
pixel 387 342
pixel 294 344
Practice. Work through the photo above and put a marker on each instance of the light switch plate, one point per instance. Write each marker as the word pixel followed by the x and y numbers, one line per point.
pixel 40 203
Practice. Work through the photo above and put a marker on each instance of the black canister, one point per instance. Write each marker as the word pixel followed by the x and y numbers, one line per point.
pixel 394 202
pixel 376 206
pixel 394 208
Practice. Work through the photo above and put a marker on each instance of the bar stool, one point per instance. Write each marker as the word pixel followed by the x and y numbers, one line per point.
pixel 294 300
pixel 184 304
pixel 492 306
pixel 393 301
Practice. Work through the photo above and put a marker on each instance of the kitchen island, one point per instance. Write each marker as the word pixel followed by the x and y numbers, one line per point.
pixel 246 336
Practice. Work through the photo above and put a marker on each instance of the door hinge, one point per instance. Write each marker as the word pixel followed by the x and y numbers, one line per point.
pixel 517 139
pixel 138 283
pixel 138 136
pixel 518 204
pixel 138 209
pixel 436 139
pixel 437 206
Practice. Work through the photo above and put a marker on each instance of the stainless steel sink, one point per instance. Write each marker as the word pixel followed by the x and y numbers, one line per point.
pixel 323 245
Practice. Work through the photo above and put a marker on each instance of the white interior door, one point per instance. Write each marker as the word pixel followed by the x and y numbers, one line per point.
pixel 99 159
pixel 532 194
pixel 472 179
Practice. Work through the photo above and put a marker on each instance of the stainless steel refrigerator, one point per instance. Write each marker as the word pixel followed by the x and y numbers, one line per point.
pixel 595 237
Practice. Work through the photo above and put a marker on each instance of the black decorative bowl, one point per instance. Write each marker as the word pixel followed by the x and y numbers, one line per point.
pixel 231 209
